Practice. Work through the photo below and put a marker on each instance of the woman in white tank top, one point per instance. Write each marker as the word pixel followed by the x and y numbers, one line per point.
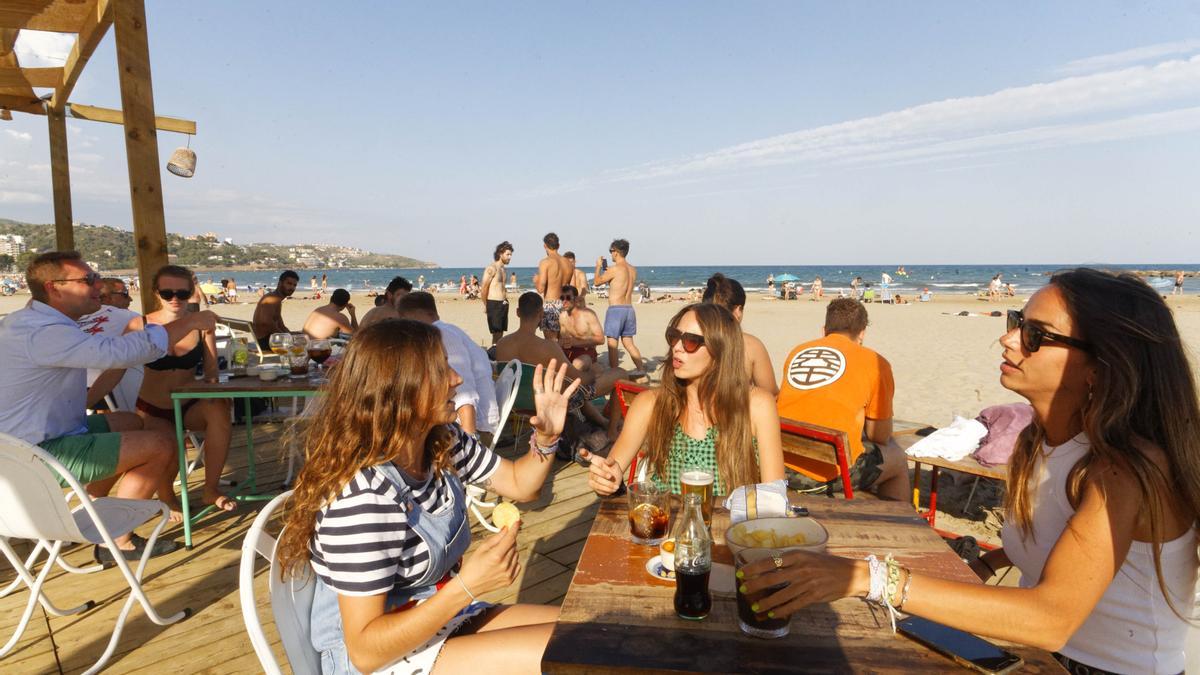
pixel 1103 493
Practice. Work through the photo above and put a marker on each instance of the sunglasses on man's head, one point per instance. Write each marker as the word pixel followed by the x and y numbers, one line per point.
pixel 178 294
pixel 691 341
pixel 91 279
pixel 1032 336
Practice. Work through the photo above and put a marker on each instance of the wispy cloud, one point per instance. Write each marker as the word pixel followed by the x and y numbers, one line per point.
pixel 1129 57
pixel 22 136
pixel 1126 103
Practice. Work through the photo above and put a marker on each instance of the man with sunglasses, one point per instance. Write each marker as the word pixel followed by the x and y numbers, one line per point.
pixel 112 320
pixel 44 357
pixel 838 383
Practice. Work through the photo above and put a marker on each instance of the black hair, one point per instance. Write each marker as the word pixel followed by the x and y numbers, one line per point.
pixel 399 284
pixel 551 241
pixel 621 245
pixel 500 249
pixel 340 297
pixel 528 305
pixel 289 274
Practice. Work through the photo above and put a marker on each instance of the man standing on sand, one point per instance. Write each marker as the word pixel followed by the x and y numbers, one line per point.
pixel 553 272
pixel 838 383
pixel 620 321
pixel 268 315
pixel 1178 290
pixel 327 321
pixel 494 294
pixel 396 289
pixel 577 279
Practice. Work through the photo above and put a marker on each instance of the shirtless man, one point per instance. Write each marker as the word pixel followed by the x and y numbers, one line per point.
pixel 1178 290
pixel 524 345
pixel 581 330
pixel 577 279
pixel 553 272
pixel 268 314
pixel 327 321
pixel 396 289
pixel 494 294
pixel 620 322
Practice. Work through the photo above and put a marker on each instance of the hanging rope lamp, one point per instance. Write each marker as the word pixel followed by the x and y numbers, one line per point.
pixel 183 161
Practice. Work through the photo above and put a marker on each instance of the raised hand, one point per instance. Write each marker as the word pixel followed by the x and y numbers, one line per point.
pixel 604 474
pixel 550 401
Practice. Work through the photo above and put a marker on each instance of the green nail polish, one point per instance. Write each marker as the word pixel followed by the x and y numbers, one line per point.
pixel 742 588
pixel 740 574
pixel 754 608
pixel 771 615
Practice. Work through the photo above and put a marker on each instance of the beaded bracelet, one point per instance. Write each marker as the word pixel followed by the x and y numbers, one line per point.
pixel 544 452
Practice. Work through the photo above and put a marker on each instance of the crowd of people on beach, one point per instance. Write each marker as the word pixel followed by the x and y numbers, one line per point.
pixel 1101 504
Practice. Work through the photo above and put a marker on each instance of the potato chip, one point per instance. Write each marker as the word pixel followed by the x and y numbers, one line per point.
pixel 505 514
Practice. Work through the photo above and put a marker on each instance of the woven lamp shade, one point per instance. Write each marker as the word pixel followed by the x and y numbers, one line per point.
pixel 183 162
pixel 5 115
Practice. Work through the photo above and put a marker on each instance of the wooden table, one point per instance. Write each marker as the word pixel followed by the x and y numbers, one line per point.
pixel 244 388
pixel 907 437
pixel 617 618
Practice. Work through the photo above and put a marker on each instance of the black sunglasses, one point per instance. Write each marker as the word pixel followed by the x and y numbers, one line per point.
pixel 91 279
pixel 691 341
pixel 1032 336
pixel 167 294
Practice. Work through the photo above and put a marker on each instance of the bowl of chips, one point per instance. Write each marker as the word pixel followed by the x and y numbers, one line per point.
pixel 781 534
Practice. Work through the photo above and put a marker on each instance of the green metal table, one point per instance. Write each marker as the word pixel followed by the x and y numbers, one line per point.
pixel 244 388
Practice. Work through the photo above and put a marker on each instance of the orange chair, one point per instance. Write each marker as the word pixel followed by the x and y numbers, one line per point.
pixel 624 391
pixel 813 450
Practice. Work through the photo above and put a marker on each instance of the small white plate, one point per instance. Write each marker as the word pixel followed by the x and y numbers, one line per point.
pixel 654 568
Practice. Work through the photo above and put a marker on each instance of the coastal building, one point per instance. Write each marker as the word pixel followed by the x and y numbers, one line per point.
pixel 12 244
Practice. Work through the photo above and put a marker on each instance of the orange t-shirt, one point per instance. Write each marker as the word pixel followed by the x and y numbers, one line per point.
pixel 837 383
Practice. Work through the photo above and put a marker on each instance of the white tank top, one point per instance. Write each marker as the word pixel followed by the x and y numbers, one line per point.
pixel 1132 629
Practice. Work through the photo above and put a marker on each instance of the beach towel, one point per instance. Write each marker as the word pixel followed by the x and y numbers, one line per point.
pixel 953 442
pixel 1004 423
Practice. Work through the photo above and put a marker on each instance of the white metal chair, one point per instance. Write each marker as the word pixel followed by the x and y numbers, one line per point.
pixel 32 507
pixel 506 395
pixel 291 602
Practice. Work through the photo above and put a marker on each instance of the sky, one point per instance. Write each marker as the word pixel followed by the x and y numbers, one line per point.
pixel 703 132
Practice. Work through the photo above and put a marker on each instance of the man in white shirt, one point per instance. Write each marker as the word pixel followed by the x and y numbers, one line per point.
pixel 110 321
pixel 44 357
pixel 475 398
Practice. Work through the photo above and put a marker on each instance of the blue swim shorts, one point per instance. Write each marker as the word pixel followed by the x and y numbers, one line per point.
pixel 620 321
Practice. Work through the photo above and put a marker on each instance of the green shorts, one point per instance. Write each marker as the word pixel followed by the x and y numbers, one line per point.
pixel 91 456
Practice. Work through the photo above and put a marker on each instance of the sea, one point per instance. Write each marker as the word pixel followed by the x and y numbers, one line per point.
pixel 939 279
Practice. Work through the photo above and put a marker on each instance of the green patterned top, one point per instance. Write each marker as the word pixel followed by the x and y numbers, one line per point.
pixel 687 451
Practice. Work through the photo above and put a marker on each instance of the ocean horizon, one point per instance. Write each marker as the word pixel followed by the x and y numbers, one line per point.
pixel 943 279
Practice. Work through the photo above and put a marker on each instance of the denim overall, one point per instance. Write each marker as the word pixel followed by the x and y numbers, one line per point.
pixel 447 534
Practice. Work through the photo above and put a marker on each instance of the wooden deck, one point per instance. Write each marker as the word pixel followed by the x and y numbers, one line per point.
pixel 213 639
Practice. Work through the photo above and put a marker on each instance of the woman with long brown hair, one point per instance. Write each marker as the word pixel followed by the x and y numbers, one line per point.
pixel 1103 493
pixel 706 413
pixel 379 514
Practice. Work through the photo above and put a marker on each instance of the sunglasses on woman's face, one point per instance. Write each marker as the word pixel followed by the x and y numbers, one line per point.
pixel 691 341
pixel 178 294
pixel 1032 336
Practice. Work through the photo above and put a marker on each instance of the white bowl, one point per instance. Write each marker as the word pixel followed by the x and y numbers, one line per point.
pixel 268 374
pixel 813 535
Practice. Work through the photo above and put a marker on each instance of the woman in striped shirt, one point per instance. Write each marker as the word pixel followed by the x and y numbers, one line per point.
pixel 379 514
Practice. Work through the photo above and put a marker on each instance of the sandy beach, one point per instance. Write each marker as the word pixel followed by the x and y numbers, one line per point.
pixel 943 363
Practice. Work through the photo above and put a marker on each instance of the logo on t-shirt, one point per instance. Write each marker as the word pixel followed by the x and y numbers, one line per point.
pixel 815 367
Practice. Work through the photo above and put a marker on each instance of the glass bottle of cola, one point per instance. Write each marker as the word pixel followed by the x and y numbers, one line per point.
pixel 693 562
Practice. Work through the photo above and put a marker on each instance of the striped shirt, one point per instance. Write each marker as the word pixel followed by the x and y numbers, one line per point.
pixel 362 543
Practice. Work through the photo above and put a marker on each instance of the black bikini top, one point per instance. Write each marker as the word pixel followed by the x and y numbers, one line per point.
pixel 186 362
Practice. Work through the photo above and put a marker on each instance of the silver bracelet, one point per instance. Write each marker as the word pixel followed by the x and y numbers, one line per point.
pixel 464 586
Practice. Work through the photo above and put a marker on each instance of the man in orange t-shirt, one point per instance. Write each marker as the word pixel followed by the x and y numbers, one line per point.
pixel 836 382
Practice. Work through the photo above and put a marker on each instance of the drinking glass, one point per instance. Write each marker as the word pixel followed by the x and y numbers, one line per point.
pixel 298 356
pixel 753 623
pixel 319 350
pixel 698 480
pixel 280 343
pixel 649 513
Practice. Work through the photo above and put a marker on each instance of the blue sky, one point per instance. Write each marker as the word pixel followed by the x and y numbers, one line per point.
pixel 706 133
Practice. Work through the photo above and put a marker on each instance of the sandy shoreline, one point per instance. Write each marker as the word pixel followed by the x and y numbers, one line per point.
pixel 943 363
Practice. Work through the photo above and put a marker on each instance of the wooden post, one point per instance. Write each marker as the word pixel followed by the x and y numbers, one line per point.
pixel 60 172
pixel 141 143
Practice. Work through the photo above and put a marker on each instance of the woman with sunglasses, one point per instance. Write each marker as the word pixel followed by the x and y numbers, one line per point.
pixel 174 285
pixel 729 294
pixel 1103 493
pixel 705 413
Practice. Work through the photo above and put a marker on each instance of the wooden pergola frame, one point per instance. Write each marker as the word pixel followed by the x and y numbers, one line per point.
pixel 90 20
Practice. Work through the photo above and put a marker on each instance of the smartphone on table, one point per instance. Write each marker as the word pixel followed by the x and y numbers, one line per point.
pixel 965 649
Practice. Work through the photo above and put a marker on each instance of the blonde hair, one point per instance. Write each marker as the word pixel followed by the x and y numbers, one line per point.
pixel 724 394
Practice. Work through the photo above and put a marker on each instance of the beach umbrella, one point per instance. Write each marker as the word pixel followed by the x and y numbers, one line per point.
pixel 786 277
pixel 210 289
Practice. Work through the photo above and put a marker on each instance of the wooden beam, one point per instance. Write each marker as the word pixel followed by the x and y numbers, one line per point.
pixel 141 142
pixel 23 104
pixel 88 112
pixel 91 31
pixel 57 16
pixel 60 173
pixel 30 77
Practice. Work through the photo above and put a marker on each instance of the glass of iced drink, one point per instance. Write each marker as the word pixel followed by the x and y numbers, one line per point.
pixel 649 513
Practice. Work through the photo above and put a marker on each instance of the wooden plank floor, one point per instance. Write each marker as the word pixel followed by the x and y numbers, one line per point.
pixel 213 639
